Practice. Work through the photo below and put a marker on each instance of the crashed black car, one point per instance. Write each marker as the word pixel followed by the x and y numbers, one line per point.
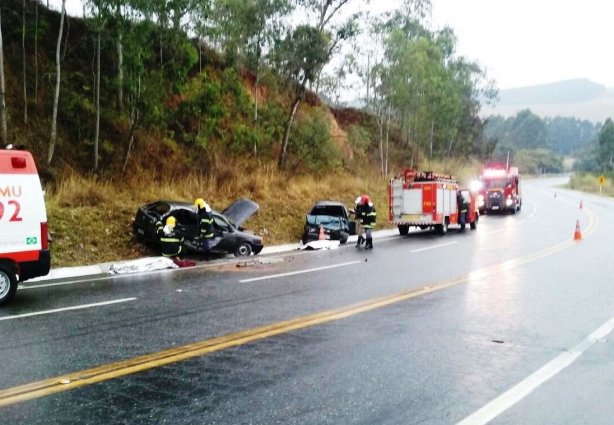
pixel 334 219
pixel 230 237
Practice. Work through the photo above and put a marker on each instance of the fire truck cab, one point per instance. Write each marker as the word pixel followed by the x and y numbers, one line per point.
pixel 500 189
pixel 429 201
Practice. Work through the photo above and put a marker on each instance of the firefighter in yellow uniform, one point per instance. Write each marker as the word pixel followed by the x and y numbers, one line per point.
pixel 205 224
pixel 171 242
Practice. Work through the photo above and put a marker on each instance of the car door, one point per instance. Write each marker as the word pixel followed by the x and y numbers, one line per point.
pixel 224 234
pixel 187 222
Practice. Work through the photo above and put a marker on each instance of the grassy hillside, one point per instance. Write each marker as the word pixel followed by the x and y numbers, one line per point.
pixel 187 129
pixel 90 219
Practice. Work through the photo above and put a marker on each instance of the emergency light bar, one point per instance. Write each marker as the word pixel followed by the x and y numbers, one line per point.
pixel 494 172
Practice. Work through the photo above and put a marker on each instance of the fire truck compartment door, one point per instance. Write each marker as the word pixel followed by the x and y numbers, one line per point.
pixel 396 198
pixel 412 201
pixel 446 201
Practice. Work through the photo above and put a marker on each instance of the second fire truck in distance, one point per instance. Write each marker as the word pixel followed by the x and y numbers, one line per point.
pixel 500 189
pixel 428 200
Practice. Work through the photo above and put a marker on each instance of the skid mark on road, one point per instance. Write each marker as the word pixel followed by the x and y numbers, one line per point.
pixel 110 371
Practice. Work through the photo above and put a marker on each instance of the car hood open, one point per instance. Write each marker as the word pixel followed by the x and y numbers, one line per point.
pixel 240 210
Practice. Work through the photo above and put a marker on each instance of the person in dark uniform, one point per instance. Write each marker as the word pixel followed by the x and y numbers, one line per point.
pixel 205 224
pixel 357 212
pixel 463 209
pixel 368 218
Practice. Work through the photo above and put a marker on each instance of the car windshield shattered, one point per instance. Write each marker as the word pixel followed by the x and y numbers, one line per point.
pixel 324 220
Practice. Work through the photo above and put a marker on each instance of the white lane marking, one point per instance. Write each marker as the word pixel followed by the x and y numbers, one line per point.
pixel 58 310
pixel 316 269
pixel 525 387
pixel 47 285
pixel 432 247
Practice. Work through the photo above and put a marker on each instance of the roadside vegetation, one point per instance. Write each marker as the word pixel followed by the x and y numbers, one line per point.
pixel 138 101
pixel 91 219
pixel 589 182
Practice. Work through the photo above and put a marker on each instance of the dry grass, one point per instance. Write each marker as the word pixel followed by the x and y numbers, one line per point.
pixel 590 183
pixel 90 219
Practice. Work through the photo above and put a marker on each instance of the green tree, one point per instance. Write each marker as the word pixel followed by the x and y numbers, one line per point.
pixel 301 56
pixel 304 52
pixel 56 98
pixel 435 96
pixel 538 161
pixel 528 131
pixel 249 30
pixel 606 145
pixel 568 134
pixel 3 126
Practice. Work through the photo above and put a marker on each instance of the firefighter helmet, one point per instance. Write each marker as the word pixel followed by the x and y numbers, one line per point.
pixel 171 221
pixel 200 203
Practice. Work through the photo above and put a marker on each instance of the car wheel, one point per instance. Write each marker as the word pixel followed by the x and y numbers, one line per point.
pixel 403 229
pixel 243 250
pixel 8 284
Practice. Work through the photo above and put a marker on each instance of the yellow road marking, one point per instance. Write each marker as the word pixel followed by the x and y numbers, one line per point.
pixel 138 364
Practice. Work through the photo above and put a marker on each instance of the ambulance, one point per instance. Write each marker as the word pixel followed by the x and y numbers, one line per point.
pixel 24 241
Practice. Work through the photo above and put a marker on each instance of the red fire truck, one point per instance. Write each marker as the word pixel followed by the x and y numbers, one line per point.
pixel 500 189
pixel 429 201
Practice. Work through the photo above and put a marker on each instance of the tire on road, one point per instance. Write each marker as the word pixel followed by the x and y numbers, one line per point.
pixel 474 224
pixel 243 250
pixel 442 229
pixel 8 284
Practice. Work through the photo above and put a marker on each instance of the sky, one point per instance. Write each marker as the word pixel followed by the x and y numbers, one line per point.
pixel 521 42
pixel 528 42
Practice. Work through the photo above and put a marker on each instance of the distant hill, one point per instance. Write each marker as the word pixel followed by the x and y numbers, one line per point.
pixel 578 98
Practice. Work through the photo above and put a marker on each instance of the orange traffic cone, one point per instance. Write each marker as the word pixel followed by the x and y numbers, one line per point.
pixel 321 236
pixel 580 204
pixel 577 236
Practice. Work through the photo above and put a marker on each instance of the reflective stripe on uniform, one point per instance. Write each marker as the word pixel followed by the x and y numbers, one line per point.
pixel 170 240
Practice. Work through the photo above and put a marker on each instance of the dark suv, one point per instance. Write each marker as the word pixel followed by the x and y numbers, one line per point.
pixel 333 217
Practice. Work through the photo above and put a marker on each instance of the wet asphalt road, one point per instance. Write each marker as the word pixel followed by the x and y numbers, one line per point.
pixel 492 325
